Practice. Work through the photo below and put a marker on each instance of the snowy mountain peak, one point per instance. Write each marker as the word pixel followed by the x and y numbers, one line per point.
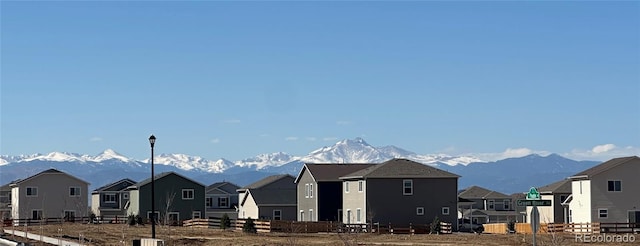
pixel 263 160
pixel 109 154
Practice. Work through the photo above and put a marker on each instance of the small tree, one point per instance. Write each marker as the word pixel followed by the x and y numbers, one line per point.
pixel 511 227
pixel 225 222
pixel 435 226
pixel 249 226
pixel 131 220
pixel 139 220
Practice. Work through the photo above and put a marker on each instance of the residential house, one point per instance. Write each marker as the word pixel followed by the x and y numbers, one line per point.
pixel 399 192
pixel 111 199
pixel 557 192
pixel 221 198
pixel 319 190
pixel 177 198
pixel 520 210
pixel 5 201
pixel 49 194
pixel 607 192
pixel 273 197
pixel 488 206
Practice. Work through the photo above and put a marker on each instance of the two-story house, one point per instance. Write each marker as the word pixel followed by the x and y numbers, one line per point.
pixel 177 198
pixel 607 192
pixel 221 198
pixel 399 192
pixel 273 198
pixel 49 194
pixel 111 199
pixel 319 190
pixel 558 212
pixel 487 206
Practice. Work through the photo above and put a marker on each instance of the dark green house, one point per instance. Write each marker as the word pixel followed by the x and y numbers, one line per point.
pixel 177 198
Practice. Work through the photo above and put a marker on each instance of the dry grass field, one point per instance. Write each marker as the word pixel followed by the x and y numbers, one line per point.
pixel 113 234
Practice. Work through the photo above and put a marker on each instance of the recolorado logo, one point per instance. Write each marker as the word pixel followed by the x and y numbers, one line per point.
pixel 605 238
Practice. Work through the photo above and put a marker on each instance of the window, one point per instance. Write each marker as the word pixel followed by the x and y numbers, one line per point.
pixel 109 198
pixel 36 214
pixel 310 190
pixel 492 204
pixel 615 185
pixel 301 215
pixel 74 191
pixel 69 215
pixel 173 218
pixel 570 216
pixel 32 191
pixel 223 202
pixel 563 198
pixel 346 186
pixel 306 190
pixel 580 182
pixel 360 184
pixel 407 186
pixel 196 215
pixel 277 214
pixel 156 215
pixel 506 204
pixel 310 214
pixel 348 216
pixel 208 202
pixel 187 194
pixel 420 211
pixel 358 217
pixel 603 213
pixel 125 196
pixel 445 210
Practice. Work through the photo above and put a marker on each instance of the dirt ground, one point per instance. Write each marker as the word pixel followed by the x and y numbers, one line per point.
pixel 113 234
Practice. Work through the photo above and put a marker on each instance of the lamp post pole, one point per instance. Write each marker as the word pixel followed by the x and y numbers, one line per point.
pixel 152 141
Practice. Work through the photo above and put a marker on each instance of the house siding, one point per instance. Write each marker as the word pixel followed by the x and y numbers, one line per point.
pixel 306 202
pixel 288 212
pixel 580 206
pixel 249 209
pixel 53 196
pixel 617 203
pixel 166 186
pixel 353 200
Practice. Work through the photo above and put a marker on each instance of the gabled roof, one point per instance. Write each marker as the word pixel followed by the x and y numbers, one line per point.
pixel 272 196
pixel 562 186
pixel 477 192
pixel 604 167
pixel 162 175
pixel 47 172
pixel 119 185
pixel 223 187
pixel 400 168
pixel 265 181
pixel 323 172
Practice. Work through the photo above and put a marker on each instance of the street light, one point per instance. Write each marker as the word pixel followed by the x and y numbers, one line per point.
pixel 152 141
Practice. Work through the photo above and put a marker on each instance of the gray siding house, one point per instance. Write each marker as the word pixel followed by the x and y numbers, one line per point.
pixel 111 199
pixel 607 192
pixel 557 192
pixel 319 190
pixel 177 198
pixel 5 201
pixel 399 192
pixel 49 194
pixel 272 198
pixel 221 198
pixel 486 206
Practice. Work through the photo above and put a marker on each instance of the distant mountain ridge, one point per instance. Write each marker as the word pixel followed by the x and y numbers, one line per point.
pixel 508 175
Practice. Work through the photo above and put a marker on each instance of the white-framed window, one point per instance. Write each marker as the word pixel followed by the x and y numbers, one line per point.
pixel 187 194
pixel 301 215
pixel 173 217
pixel 156 215
pixel 506 204
pixel 196 215
pixel 419 210
pixel 348 216
pixel 407 187
pixel 346 186
pixel 492 204
pixel 277 214
pixel 36 214
pixel 32 191
pixel 125 196
pixel 603 213
pixel 223 202
pixel 614 185
pixel 358 215
pixel 109 198
pixel 69 215
pixel 306 190
pixel 445 210
pixel 360 185
pixel 310 214
pixel 74 191
pixel 208 202
pixel 310 190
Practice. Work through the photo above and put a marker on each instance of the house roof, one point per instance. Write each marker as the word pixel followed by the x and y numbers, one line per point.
pixel 224 186
pixel 162 175
pixel 604 167
pixel 400 168
pixel 265 181
pixel 562 186
pixel 126 181
pixel 323 172
pixel 45 172
pixel 475 192
pixel 273 196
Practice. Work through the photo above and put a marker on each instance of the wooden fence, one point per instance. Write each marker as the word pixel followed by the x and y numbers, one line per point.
pixel 525 228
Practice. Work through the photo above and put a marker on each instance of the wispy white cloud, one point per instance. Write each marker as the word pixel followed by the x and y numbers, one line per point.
pixel 95 139
pixel 603 152
pixel 215 140
pixel 329 139
pixel 291 138
pixel 603 148
pixel 311 139
pixel 232 121
pixel 344 122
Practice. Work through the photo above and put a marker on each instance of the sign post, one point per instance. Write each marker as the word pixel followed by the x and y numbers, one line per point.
pixel 534 197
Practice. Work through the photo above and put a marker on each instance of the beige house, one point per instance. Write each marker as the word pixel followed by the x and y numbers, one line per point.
pixel 558 193
pixel 49 194
pixel 272 198
pixel 608 192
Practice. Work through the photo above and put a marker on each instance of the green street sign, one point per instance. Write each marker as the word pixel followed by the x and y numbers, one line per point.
pixel 533 194
pixel 525 203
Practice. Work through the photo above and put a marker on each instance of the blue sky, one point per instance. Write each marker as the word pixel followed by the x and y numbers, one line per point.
pixel 237 79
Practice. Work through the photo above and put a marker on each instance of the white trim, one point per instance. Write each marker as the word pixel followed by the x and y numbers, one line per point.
pixel 273 213
pixel 187 194
pixel 491 204
pixel 404 191
pixel 306 190
pixel 125 195
pixel 109 195
pixel 193 214
pixel 301 215
pixel 346 186
pixel 447 209
pixel 419 210
pixel 606 213
pixel 168 219
pixel 41 213
pixel 311 190
pixel 360 185
pixel 614 185
pixel 76 190
pixel 26 191
pixel 311 214
pixel 359 215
